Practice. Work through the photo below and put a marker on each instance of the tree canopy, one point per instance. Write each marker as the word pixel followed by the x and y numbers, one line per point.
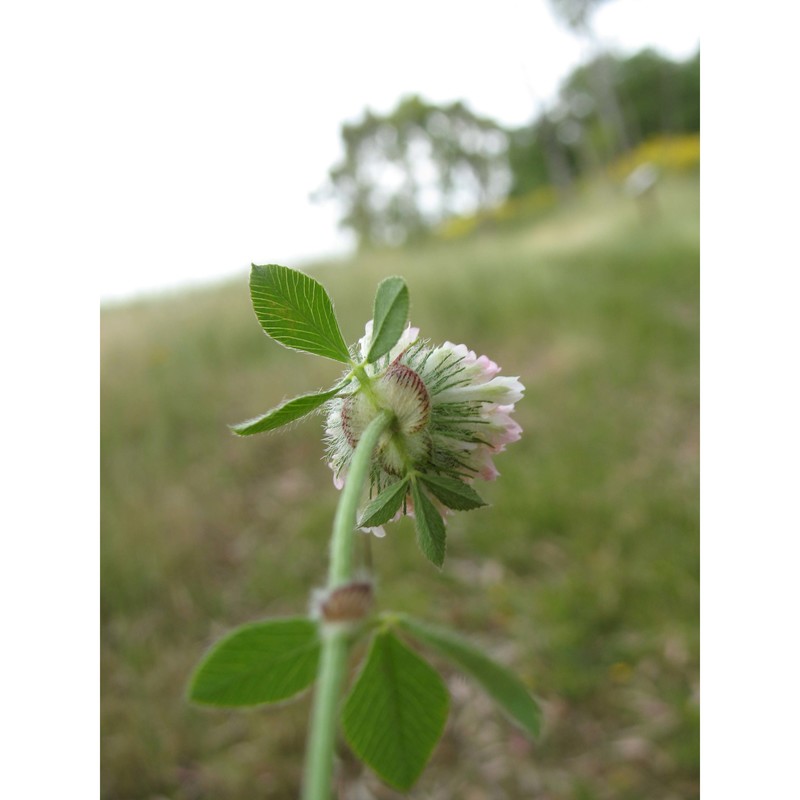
pixel 407 170
pixel 576 14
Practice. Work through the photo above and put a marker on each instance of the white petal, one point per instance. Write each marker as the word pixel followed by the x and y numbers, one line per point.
pixel 366 340
pixel 378 531
pixel 407 338
pixel 461 351
pixel 500 390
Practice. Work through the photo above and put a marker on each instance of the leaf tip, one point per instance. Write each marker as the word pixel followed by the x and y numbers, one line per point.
pixel 243 429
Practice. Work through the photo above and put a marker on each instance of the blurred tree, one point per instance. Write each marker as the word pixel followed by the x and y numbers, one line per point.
pixel 577 15
pixel 687 113
pixel 404 172
pixel 538 157
pixel 657 95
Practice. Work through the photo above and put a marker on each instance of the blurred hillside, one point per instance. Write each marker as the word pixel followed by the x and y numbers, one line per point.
pixel 406 173
pixel 582 575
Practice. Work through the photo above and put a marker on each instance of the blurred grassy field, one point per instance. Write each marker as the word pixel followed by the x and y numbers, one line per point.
pixel 582 576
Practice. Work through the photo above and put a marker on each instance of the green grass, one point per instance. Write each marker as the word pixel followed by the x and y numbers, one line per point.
pixel 582 576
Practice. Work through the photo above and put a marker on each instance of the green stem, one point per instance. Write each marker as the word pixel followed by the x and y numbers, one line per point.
pixel 341 566
pixel 322 735
pixel 336 637
pixel 365 382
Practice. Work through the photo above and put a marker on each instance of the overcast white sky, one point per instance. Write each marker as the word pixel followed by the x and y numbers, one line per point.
pixel 208 126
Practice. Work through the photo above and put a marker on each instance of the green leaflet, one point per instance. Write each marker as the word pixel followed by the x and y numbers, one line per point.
pixel 283 414
pixel 383 507
pixel 389 316
pixel 296 311
pixel 500 684
pixel 262 662
pixel 395 712
pixel 452 492
pixel 431 534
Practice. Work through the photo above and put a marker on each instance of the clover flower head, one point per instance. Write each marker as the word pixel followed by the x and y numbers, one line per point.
pixel 436 416
pixel 452 415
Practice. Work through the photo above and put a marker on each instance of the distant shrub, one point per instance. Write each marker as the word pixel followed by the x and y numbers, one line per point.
pixel 511 210
pixel 668 153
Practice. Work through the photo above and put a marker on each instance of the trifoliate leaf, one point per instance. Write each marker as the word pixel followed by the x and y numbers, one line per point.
pixel 384 506
pixel 395 712
pixel 452 492
pixel 296 311
pixel 500 684
pixel 389 316
pixel 284 413
pixel 262 662
pixel 431 534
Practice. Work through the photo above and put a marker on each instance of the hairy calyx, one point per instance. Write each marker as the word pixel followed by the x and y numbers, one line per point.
pixel 401 391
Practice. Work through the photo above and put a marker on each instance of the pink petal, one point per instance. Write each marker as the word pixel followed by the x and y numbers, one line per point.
pixel 488 471
pixel 488 367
